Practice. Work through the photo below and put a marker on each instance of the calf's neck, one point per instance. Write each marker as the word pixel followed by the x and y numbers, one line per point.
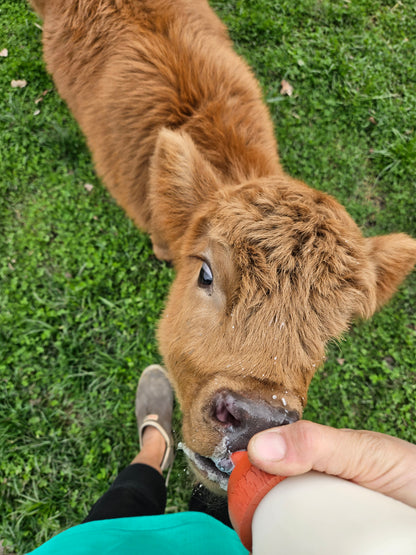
pixel 268 269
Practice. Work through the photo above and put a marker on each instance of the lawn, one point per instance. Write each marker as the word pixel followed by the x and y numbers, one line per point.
pixel 81 292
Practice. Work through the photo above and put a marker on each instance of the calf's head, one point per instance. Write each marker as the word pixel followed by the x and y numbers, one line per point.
pixel 268 271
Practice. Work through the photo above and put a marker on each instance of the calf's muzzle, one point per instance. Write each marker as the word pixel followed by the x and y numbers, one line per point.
pixel 239 418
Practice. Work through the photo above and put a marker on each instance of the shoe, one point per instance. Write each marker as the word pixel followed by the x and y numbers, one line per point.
pixel 154 407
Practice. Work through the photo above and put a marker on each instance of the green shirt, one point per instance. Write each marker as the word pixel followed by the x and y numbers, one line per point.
pixel 176 534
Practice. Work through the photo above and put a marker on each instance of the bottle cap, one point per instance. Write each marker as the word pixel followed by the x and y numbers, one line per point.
pixel 247 486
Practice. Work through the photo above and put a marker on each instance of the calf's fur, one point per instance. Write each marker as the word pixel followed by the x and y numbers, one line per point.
pixel 181 138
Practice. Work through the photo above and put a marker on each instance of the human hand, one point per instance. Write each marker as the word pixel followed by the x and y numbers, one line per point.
pixel 376 461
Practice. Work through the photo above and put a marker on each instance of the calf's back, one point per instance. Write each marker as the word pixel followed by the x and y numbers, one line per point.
pixel 129 68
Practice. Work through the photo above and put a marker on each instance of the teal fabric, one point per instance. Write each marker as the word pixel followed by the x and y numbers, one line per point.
pixel 176 534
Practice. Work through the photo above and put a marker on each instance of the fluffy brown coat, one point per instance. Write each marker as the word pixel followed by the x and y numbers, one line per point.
pixel 180 136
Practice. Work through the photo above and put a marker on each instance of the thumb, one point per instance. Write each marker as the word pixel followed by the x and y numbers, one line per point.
pixel 376 461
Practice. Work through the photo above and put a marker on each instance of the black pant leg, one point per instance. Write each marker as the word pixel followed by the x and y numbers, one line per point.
pixel 139 490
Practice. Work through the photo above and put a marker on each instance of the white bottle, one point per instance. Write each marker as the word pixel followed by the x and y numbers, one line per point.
pixel 315 514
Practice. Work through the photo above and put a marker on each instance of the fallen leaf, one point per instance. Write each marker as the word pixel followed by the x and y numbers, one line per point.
pixel 18 83
pixel 4 53
pixel 286 89
pixel 340 361
pixel 88 187
pixel 40 99
pixel 389 361
pixel 36 112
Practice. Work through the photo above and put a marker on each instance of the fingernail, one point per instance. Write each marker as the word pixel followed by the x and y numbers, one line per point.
pixel 269 446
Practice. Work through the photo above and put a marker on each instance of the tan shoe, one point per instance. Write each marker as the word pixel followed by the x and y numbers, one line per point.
pixel 154 407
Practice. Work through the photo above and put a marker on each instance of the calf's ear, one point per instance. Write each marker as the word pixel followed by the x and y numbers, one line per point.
pixel 393 257
pixel 181 179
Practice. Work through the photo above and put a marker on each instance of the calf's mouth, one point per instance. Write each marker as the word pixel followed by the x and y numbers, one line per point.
pixel 237 418
pixel 209 469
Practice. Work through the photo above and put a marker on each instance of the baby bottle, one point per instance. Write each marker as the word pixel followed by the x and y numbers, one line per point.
pixel 315 514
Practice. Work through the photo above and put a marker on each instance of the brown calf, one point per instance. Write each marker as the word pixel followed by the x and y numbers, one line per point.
pixel 268 269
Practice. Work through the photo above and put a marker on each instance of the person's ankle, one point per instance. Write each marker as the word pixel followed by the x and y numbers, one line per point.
pixel 152 436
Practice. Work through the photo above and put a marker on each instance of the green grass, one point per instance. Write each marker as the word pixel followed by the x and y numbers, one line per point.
pixel 81 292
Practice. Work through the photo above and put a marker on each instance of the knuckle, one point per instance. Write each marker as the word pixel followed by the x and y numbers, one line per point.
pixel 306 438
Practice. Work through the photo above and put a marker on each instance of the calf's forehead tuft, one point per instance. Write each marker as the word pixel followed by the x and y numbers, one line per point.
pixel 306 235
pixel 299 259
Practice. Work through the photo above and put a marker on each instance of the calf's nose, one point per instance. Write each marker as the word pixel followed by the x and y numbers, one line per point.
pixel 239 418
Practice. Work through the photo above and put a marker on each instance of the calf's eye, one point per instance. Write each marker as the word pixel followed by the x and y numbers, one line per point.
pixel 205 278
